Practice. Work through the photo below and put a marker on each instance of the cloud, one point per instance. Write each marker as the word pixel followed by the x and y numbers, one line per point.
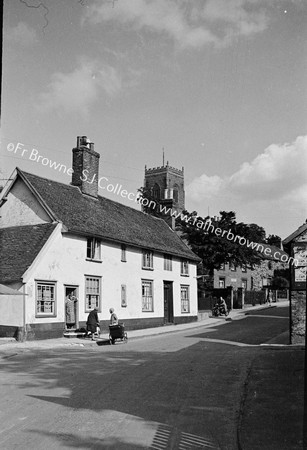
pixel 278 171
pixel 189 24
pixel 78 90
pixel 21 34
pixel 205 187
pixel 240 17
pixel 279 174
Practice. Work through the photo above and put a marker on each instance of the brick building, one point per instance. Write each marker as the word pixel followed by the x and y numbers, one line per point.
pixel 232 275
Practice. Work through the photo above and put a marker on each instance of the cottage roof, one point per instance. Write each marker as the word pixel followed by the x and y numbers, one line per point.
pixel 19 246
pixel 270 251
pixel 105 218
pixel 295 234
pixel 5 290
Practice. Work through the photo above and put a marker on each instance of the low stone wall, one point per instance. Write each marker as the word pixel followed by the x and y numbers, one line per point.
pixel 298 317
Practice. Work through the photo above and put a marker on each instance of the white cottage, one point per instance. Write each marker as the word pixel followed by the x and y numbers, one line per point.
pixel 68 250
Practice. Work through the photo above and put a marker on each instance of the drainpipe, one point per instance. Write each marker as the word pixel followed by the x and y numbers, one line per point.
pixel 23 337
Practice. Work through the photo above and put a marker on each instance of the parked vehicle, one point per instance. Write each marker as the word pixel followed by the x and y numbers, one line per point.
pixel 219 310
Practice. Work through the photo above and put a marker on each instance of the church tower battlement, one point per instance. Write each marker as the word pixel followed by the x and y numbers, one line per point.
pixel 166 185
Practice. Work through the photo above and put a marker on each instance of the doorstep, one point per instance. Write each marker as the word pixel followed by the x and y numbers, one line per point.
pixel 74 334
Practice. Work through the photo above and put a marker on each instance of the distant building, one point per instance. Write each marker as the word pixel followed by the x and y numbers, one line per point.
pixel 166 186
pixel 232 275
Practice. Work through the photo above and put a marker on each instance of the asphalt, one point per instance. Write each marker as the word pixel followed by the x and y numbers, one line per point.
pixel 273 391
pixel 7 343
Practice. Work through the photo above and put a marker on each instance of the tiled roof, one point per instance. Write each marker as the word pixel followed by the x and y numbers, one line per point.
pixel 106 219
pixel 295 234
pixel 5 290
pixel 18 248
pixel 270 251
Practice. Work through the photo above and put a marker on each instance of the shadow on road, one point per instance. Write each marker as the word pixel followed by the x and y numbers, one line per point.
pixel 129 400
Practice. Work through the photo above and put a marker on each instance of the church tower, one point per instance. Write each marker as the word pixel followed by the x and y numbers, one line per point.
pixel 166 185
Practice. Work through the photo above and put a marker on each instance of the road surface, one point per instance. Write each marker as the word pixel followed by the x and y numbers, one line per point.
pixel 181 390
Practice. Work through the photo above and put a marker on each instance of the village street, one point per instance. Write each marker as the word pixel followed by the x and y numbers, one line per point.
pixel 203 387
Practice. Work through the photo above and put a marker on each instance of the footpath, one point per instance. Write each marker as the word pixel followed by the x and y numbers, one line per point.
pixel 206 321
pixel 271 412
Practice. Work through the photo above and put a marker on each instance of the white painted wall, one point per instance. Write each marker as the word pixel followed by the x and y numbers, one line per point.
pixel 63 260
pixel 21 208
pixel 11 310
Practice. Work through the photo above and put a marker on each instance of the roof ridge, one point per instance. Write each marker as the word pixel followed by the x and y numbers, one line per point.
pixel 47 179
pixel 150 231
pixel 90 199
pixel 30 226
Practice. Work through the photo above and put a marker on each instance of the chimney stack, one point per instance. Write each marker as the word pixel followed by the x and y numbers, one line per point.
pixel 85 164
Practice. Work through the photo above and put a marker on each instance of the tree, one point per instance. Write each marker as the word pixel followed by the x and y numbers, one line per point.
pixel 152 204
pixel 217 248
pixel 279 283
pixel 274 240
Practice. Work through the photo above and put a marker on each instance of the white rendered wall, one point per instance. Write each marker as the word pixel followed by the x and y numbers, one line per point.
pixel 63 260
pixel 11 310
pixel 21 208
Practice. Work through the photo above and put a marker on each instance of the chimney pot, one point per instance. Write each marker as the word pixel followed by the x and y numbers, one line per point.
pixel 85 167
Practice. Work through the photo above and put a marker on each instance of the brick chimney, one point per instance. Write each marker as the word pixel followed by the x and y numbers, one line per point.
pixel 85 164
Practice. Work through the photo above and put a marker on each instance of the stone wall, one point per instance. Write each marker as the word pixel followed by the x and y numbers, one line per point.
pixel 298 317
pixel 265 270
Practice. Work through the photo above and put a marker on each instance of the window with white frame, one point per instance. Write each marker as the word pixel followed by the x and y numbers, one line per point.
pixel 45 299
pixel 168 262
pixel 93 250
pixel 123 294
pixel 222 283
pixel 185 298
pixel 184 267
pixel 147 259
pixel 92 293
pixel 147 295
pixel 244 283
pixel 124 253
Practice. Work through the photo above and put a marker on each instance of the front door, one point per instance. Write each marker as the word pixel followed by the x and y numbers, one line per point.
pixel 168 302
pixel 71 307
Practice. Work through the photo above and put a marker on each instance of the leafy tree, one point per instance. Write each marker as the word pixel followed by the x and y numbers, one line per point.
pixel 146 193
pixel 279 283
pixel 214 249
pixel 275 240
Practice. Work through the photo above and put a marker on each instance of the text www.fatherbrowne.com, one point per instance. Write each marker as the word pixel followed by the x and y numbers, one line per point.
pixel 208 227
pixel 103 184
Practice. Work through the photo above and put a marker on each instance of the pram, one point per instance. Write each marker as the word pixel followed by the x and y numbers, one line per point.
pixel 117 332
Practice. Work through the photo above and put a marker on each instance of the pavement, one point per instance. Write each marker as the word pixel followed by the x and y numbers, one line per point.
pixel 274 387
pixel 10 343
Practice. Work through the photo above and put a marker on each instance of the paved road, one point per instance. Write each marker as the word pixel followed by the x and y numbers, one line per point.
pixel 182 390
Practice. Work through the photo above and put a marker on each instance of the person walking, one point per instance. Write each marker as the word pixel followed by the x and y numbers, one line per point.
pixel 113 317
pixel 92 323
pixel 270 297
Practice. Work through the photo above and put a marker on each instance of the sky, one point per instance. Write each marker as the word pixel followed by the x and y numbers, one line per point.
pixel 220 85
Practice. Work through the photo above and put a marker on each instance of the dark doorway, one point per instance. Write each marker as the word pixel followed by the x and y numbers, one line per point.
pixel 71 307
pixel 168 302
